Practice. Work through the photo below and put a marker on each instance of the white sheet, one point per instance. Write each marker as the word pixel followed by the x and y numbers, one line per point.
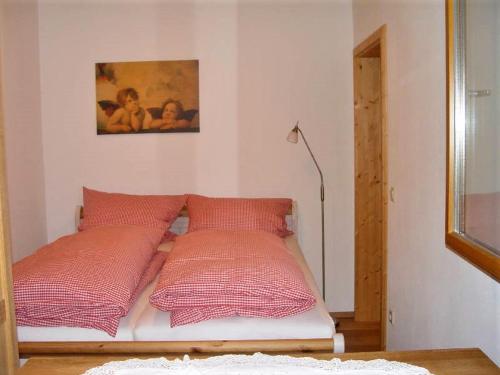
pixel 146 323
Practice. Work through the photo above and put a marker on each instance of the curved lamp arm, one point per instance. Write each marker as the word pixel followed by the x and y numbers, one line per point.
pixel 297 129
pixel 293 138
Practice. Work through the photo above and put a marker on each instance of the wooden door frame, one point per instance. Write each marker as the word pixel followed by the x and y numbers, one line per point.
pixel 364 49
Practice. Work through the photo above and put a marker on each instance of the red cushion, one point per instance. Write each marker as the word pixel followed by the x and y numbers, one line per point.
pixel 266 214
pixel 85 279
pixel 213 274
pixel 156 211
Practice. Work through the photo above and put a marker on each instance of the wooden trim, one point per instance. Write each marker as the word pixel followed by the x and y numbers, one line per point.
pixel 364 49
pixel 8 335
pixel 439 362
pixel 185 213
pixel 473 252
pixel 9 358
pixel 385 188
pixel 342 314
pixel 376 46
pixel 450 144
pixel 368 189
pixel 27 349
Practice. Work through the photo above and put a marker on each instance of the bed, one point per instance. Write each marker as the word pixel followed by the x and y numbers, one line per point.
pixel 145 329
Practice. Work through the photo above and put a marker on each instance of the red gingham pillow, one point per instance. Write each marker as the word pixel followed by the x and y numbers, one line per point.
pixel 156 211
pixel 267 214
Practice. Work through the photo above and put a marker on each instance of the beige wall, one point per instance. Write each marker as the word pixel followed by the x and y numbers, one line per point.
pixel 438 299
pixel 263 65
pixel 294 66
pixel 24 155
pixel 497 95
pixel 77 35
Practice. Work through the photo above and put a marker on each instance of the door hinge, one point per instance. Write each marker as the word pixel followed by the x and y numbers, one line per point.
pixel 2 311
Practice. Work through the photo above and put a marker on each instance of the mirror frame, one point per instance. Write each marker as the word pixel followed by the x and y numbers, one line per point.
pixel 464 246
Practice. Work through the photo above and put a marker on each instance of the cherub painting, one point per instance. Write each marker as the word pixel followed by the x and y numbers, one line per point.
pixel 147 97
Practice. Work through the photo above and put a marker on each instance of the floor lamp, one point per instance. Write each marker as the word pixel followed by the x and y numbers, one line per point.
pixel 293 137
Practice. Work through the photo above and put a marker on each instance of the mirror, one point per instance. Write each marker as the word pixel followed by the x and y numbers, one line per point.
pixel 473 158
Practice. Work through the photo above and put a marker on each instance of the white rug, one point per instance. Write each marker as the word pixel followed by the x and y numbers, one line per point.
pixel 257 364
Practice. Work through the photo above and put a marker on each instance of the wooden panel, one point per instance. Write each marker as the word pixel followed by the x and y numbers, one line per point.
pixel 342 314
pixel 27 349
pixel 3 312
pixel 438 362
pixel 368 189
pixel 185 213
pixel 372 50
pixel 381 34
pixel 8 343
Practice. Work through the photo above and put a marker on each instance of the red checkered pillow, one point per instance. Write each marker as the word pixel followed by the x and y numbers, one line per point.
pixel 156 211
pixel 266 214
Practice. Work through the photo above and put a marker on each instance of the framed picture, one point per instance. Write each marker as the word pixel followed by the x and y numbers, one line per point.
pixel 147 97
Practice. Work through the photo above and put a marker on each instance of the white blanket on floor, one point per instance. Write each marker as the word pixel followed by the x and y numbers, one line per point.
pixel 255 364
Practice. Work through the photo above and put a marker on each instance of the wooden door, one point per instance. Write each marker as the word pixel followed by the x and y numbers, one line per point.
pixel 8 341
pixel 370 181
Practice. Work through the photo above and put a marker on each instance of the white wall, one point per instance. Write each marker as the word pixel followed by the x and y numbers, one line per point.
pixel 439 300
pixel 293 66
pixel 78 34
pixel 20 78
pixel 497 96
pixel 263 64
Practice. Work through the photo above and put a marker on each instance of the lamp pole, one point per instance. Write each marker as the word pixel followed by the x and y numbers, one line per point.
pixel 322 195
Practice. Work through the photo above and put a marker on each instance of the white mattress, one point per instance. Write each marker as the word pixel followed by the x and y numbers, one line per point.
pixel 146 323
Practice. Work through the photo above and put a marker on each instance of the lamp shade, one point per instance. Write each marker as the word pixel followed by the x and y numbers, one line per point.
pixel 293 136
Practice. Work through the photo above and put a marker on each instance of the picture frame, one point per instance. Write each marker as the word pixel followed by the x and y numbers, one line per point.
pixel 147 97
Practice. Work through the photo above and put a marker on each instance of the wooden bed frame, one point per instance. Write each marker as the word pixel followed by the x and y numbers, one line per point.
pixel 29 349
pixel 292 211
pixel 49 348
